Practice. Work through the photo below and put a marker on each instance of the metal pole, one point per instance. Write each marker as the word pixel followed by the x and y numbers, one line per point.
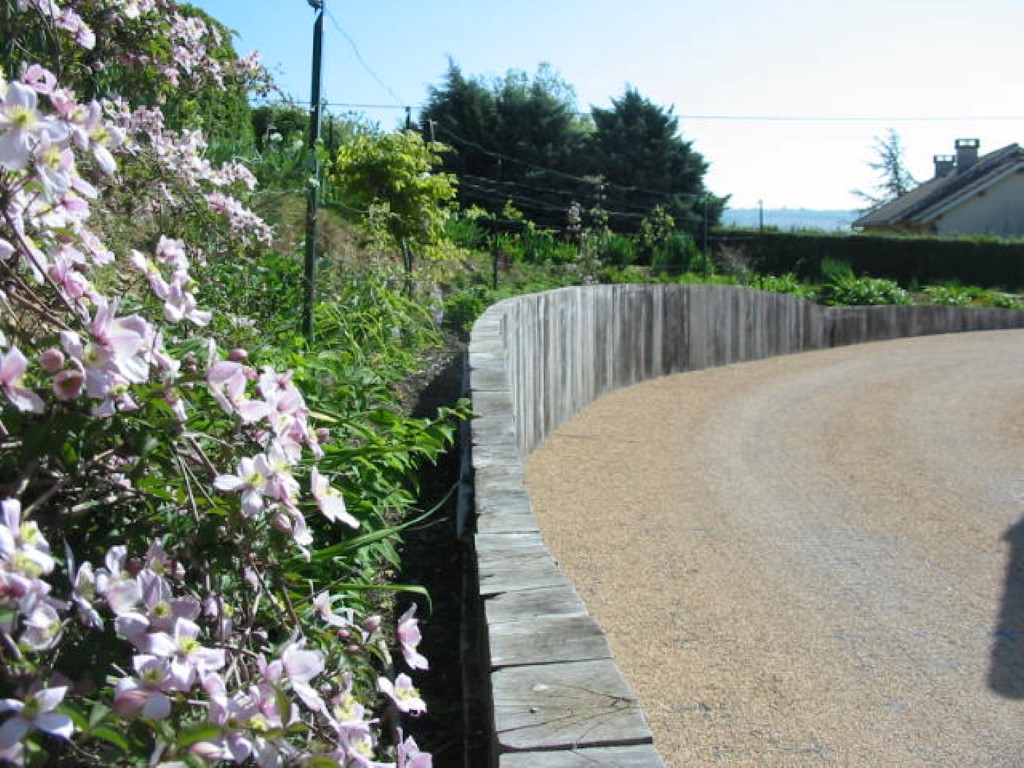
pixel 705 225
pixel 313 183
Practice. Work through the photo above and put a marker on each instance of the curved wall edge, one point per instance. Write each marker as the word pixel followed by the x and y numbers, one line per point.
pixel 556 697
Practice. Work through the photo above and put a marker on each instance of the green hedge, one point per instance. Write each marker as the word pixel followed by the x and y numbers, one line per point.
pixel 908 260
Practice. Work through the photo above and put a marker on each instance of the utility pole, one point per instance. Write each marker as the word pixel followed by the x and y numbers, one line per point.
pixel 313 182
pixel 705 200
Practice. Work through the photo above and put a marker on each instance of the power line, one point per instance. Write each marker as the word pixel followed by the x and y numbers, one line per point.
pixel 758 118
pixel 852 118
pixel 595 182
pixel 364 65
pixel 595 187
pixel 536 204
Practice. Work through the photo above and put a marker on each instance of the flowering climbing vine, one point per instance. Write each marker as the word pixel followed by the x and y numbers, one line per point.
pixel 171 580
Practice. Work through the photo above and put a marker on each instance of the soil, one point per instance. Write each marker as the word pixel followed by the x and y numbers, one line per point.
pixel 433 557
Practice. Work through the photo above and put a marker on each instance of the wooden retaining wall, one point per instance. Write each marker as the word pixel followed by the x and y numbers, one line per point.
pixel 556 698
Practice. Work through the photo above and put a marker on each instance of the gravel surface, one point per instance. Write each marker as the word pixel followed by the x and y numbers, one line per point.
pixel 811 560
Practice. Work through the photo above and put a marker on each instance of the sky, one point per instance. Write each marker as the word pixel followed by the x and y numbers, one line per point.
pixel 784 99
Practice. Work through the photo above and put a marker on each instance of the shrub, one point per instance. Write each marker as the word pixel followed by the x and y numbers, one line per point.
pixel 189 529
pixel 950 294
pixel 787 283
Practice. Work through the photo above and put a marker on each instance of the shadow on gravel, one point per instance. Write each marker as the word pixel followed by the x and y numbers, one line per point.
pixel 1006 673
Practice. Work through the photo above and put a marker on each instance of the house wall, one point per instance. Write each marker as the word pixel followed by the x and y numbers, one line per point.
pixel 999 210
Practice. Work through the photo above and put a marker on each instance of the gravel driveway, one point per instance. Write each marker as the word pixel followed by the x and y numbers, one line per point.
pixel 811 560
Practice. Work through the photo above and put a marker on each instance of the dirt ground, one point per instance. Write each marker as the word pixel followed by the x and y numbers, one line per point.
pixel 810 560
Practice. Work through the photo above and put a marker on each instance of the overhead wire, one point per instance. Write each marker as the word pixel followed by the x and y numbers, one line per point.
pixel 537 204
pixel 364 65
pixel 563 174
pixel 881 119
pixel 596 187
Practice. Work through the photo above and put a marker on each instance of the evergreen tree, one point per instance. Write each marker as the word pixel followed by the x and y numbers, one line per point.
pixel 521 139
pixel 637 150
pixel 890 166
pixel 517 138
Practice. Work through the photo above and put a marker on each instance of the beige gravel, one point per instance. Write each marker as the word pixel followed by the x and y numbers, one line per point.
pixel 802 561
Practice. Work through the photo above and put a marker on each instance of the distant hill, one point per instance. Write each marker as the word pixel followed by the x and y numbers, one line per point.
pixel 786 219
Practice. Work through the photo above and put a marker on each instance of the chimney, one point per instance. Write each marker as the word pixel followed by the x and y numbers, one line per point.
pixel 966 153
pixel 944 164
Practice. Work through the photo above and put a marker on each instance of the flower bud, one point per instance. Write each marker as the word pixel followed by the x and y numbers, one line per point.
pixel 207 751
pixel 237 355
pixel 372 624
pixel 51 360
pixel 68 384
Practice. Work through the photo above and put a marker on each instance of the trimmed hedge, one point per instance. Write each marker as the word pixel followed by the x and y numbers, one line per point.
pixel 908 260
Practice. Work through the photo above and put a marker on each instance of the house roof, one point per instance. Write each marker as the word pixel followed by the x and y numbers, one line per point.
pixel 932 198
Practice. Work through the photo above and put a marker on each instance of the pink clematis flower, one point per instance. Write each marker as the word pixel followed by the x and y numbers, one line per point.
pixel 409 755
pixel 83 593
pixel 228 380
pixel 21 126
pixel 298 666
pixel 39 79
pixel 34 713
pixel 250 481
pixel 116 583
pixel 409 637
pixel 23 549
pixel 403 694
pixel 330 500
pixel 42 627
pixel 322 604
pixel 189 659
pixel 146 694
pixel 162 609
pixel 12 368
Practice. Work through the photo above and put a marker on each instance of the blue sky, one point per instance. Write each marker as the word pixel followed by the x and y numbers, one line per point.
pixel 742 75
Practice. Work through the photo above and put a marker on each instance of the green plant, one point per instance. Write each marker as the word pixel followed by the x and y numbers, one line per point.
pixel 852 291
pixel 949 294
pixel 787 283
pixel 619 251
pixel 678 253
pixel 391 178
pixel 461 309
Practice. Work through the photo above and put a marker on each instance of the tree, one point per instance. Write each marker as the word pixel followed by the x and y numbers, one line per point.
pixel 516 138
pixel 894 180
pixel 392 178
pixel 462 113
pixel 637 150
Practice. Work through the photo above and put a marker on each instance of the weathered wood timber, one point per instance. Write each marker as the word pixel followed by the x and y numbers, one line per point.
pixel 535 361
pixel 565 706
pixel 640 756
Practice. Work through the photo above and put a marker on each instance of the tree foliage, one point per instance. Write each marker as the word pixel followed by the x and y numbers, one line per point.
pixel 523 139
pixel 517 138
pixel 391 178
pixel 637 150
pixel 890 167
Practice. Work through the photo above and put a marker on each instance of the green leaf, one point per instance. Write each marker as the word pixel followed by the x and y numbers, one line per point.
pixel 411 589
pixel 192 734
pixel 111 735
pixel 98 714
pixel 76 714
pixel 322 762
